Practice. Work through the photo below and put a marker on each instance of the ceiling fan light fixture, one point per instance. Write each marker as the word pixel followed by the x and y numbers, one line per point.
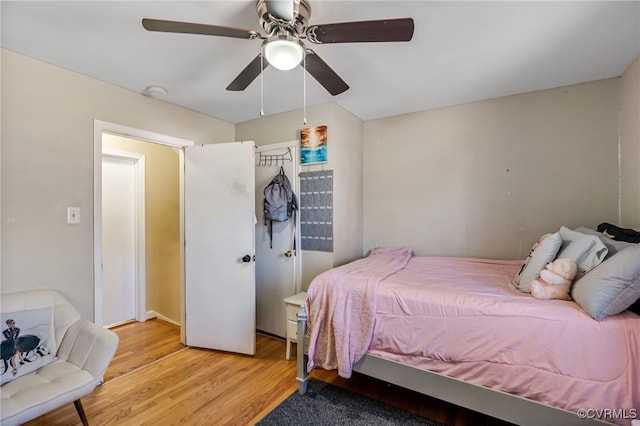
pixel 283 52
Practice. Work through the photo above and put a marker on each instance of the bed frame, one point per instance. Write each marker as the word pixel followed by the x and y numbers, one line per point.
pixel 495 403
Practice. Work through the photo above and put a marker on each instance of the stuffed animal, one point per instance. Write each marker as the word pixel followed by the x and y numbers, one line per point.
pixel 555 280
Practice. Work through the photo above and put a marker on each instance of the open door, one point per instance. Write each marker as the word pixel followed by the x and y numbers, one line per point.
pixel 219 197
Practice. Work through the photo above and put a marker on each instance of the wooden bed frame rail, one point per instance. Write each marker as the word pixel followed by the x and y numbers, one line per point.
pixel 495 403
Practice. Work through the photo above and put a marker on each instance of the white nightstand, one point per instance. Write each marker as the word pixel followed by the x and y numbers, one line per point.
pixel 292 304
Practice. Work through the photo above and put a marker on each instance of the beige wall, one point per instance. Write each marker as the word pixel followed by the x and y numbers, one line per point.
pixel 162 210
pixel 480 179
pixel 630 146
pixel 488 178
pixel 344 147
pixel 47 165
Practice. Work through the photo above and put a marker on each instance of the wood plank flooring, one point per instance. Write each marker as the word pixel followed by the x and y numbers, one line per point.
pixel 155 380
pixel 142 344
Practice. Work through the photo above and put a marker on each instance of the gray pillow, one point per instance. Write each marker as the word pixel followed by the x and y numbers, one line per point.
pixel 613 246
pixel 542 252
pixel 611 287
pixel 586 250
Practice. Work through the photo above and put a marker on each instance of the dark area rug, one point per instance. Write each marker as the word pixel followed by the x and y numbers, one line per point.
pixel 325 404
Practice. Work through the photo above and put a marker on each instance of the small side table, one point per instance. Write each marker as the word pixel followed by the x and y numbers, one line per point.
pixel 292 304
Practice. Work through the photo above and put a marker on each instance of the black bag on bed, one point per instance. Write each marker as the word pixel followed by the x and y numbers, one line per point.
pixel 619 234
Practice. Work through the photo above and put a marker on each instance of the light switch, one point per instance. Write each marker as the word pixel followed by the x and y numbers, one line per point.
pixel 73 215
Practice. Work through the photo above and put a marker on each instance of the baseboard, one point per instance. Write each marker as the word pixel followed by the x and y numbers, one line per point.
pixel 153 314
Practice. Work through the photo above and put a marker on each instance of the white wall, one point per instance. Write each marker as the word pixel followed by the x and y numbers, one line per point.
pixel 630 146
pixel 47 165
pixel 488 178
pixel 344 147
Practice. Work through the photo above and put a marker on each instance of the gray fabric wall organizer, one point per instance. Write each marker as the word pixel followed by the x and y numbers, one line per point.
pixel 316 210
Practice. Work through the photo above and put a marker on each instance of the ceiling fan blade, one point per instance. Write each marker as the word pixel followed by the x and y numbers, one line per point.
pixel 247 75
pixel 362 31
pixel 324 74
pixel 194 28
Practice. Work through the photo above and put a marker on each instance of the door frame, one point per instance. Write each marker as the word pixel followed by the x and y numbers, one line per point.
pixel 99 128
pixel 139 197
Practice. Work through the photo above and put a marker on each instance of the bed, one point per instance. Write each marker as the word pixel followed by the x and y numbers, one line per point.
pixel 458 329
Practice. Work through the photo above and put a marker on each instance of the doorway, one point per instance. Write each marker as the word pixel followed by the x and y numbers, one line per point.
pixel 202 165
pixel 154 141
pixel 158 242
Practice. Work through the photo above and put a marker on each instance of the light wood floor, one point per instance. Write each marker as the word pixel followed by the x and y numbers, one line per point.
pixel 155 380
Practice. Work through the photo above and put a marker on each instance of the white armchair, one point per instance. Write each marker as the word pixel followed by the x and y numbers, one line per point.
pixel 83 351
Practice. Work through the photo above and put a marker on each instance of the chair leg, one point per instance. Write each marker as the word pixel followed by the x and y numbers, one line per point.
pixel 80 410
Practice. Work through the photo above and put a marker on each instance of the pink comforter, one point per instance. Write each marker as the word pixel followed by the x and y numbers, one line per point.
pixel 462 317
pixel 342 305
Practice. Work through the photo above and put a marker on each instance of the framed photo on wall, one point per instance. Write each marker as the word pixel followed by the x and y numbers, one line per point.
pixel 313 145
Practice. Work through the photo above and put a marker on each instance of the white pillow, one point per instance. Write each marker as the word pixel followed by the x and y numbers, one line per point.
pixel 25 347
pixel 588 251
pixel 611 287
pixel 542 252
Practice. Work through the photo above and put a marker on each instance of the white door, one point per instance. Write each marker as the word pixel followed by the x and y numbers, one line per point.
pixel 219 222
pixel 118 242
pixel 277 266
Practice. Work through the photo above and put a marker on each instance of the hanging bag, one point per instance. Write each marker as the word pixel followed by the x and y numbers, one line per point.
pixel 280 203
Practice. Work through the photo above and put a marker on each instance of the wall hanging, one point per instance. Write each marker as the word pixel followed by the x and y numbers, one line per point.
pixel 313 145
pixel 316 210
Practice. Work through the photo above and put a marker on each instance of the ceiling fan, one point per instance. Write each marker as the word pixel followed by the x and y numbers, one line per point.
pixel 285 23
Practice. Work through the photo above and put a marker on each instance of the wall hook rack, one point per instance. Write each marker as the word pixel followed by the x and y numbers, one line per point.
pixel 274 159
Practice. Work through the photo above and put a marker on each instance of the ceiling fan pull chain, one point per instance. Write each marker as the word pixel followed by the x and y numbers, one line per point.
pixel 261 84
pixel 304 88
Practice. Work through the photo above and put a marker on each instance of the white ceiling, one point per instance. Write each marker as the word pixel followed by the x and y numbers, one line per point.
pixel 460 52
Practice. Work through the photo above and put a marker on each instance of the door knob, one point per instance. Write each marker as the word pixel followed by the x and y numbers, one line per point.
pixel 246 258
pixel 289 253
